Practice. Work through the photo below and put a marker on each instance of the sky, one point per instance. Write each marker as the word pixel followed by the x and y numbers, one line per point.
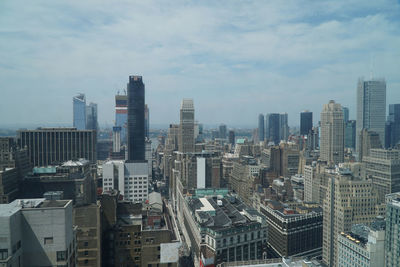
pixel 236 59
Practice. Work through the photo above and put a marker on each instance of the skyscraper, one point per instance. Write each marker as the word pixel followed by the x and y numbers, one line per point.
pixel 121 115
pixel 332 139
pixel 273 127
pixel 79 111
pixel 350 134
pixel 186 126
pixel 345 114
pixel 146 121
pixel 392 248
pixel 392 131
pixel 306 122
pixel 371 107
pixel 283 127
pixel 136 124
pixel 222 131
pixel 232 137
pixel 261 128
pixel 91 117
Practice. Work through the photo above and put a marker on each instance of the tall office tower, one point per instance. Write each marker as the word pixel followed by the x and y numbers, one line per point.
pixel 283 127
pixel 91 117
pixel 345 114
pixel 371 108
pixel 368 140
pixel 186 126
pixel 306 122
pixel 273 127
pixel 48 146
pixel 383 167
pixel 121 115
pixel 392 130
pixel 136 126
pixel 37 232
pixel 232 137
pixel 392 239
pixel 222 131
pixel 146 121
pixel 348 200
pixel 261 127
pixel 332 139
pixel 350 134
pixel 79 112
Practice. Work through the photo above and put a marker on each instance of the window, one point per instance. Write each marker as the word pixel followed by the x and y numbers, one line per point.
pixel 86 244
pixel 61 255
pixel 86 253
pixel 3 254
pixel 48 240
pixel 86 262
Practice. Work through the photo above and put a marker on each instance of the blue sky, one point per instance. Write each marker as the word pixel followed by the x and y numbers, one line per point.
pixel 236 59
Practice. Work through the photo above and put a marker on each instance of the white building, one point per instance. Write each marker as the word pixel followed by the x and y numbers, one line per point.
pixel 131 179
pixel 37 232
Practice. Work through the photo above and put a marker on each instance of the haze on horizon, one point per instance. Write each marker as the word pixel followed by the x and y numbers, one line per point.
pixel 236 59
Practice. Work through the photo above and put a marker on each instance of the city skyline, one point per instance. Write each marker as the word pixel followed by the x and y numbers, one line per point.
pixel 314 54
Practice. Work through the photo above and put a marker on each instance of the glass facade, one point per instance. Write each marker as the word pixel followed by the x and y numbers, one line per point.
pixel 79 112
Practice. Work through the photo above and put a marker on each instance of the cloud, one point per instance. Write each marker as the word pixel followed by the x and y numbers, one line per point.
pixel 235 58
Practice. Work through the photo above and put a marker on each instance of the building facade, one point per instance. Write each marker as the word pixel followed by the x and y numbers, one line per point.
pixel 186 127
pixel 121 115
pixel 79 111
pixel 261 127
pixel 392 240
pixel 306 122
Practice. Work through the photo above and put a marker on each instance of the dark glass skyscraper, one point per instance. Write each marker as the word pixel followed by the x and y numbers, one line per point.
pixel 261 127
pixel 136 123
pixel 392 130
pixel 273 127
pixel 306 122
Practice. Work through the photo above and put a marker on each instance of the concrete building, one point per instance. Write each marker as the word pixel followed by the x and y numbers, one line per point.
pixel 221 228
pixel 348 200
pixel 383 168
pixel 136 118
pixel 76 179
pixel 186 127
pixel 37 232
pixel 293 230
pixel 363 246
pixel 332 133
pixel 367 141
pixel 87 219
pixel 79 111
pixel 306 122
pixel 392 239
pixel 242 178
pixel 371 107
pixel 130 179
pixel 261 127
pixel 49 146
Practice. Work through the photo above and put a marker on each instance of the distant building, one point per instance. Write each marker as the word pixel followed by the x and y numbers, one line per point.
pixel 371 108
pixel 51 146
pixel 283 127
pixel 345 114
pixel 232 137
pixel 146 121
pixel 186 127
pixel 37 232
pixel 392 239
pixel 121 115
pixel 261 127
pixel 91 117
pixel 332 139
pixel 136 119
pixel 293 231
pixel 350 134
pixel 367 140
pixel 306 122
pixel 273 127
pixel 392 130
pixel 363 246
pixel 79 111
pixel 222 131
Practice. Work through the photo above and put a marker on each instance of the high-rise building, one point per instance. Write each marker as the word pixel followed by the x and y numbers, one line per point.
pixel 136 121
pixel 371 108
pixel 332 139
pixel 345 114
pixel 367 140
pixel 283 127
pixel 48 146
pixel 306 122
pixel 350 134
pixel 186 126
pixel 116 139
pixel 392 130
pixel 146 121
pixel 261 128
pixel 37 232
pixel 91 117
pixel 392 239
pixel 79 111
pixel 222 131
pixel 383 168
pixel 232 137
pixel 121 115
pixel 272 121
pixel 348 200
